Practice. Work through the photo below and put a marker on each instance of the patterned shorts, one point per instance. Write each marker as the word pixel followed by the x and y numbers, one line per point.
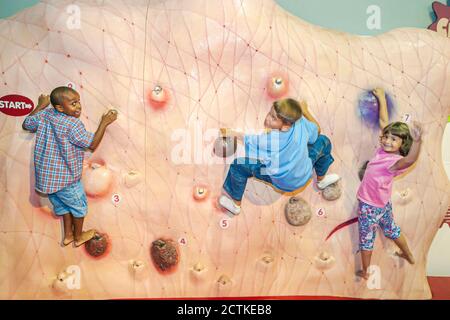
pixel 369 217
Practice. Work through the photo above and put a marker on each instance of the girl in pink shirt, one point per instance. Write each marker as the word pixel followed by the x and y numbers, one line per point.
pixel 399 149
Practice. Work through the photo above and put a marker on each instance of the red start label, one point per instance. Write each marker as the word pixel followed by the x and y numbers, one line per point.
pixel 16 105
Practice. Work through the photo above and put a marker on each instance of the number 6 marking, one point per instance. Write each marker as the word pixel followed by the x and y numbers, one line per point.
pixel 320 212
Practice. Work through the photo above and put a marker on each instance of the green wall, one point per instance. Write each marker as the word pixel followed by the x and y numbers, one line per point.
pixel 10 7
pixel 350 15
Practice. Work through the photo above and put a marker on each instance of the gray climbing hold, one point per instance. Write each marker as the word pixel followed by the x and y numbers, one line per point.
pixel 362 170
pixel 332 192
pixel 225 146
pixel 297 211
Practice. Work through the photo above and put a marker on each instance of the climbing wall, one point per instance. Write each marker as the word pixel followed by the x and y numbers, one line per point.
pixel 177 71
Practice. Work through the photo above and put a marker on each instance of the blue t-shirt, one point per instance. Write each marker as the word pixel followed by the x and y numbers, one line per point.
pixel 285 154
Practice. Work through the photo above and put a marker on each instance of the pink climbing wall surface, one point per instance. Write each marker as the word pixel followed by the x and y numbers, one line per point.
pixel 213 62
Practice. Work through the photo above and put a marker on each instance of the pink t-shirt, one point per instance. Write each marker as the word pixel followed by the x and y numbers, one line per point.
pixel 376 186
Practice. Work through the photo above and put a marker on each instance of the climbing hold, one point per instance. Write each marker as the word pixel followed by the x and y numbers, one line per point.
pixel 332 192
pixel 67 280
pixel 369 109
pixel 224 281
pixel 198 267
pixel 198 270
pixel 297 211
pixel 362 170
pixel 265 262
pixel 97 246
pixel 97 178
pixel 158 97
pixel 137 265
pixel 137 269
pixel 403 197
pixel 164 254
pixel 324 261
pixel 59 285
pixel 132 178
pixel 277 85
pixel 225 146
pixel 267 259
pixel 200 192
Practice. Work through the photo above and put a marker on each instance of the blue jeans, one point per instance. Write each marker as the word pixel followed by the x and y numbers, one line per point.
pixel 244 168
pixel 72 199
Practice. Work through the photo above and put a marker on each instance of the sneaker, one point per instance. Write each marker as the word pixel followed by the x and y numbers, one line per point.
pixel 327 180
pixel 229 204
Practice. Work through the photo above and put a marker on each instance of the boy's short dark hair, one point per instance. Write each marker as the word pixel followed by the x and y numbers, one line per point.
pixel 58 93
pixel 288 110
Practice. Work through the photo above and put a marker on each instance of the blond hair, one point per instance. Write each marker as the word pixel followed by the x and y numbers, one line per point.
pixel 288 110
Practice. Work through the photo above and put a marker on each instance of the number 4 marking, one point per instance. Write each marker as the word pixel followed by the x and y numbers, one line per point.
pixel 182 241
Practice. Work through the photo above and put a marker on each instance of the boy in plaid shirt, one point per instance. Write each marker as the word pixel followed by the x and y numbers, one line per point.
pixel 61 140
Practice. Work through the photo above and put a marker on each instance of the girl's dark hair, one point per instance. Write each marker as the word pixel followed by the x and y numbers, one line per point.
pixel 401 130
pixel 288 110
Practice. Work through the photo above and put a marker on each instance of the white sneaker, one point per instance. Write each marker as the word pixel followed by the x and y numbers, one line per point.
pixel 229 204
pixel 327 180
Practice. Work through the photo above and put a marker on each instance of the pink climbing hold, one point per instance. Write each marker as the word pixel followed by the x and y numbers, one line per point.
pixel 200 192
pixel 277 85
pixel 158 97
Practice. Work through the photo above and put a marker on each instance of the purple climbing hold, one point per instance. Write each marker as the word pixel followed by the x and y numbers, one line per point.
pixel 369 110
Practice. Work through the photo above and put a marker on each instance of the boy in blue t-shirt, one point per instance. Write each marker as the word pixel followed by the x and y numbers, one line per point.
pixel 284 156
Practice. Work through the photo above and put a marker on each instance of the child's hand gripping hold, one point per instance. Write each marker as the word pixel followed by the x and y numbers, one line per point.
pixel 109 117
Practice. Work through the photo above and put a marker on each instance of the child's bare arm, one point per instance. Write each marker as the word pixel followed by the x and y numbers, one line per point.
pixel 43 102
pixel 107 119
pixel 384 116
pixel 416 133
pixel 308 115
pixel 226 132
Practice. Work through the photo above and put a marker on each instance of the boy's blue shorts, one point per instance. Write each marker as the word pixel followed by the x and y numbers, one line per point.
pixel 72 199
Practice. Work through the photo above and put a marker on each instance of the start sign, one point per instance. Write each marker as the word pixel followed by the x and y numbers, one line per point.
pixel 16 105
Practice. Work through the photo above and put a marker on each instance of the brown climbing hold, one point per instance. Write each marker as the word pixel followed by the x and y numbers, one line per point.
pixel 98 245
pixel 225 146
pixel 164 254
pixel 332 192
pixel 297 211
pixel 362 170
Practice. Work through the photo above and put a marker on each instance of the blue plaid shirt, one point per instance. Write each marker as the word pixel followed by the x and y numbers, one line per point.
pixel 61 141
